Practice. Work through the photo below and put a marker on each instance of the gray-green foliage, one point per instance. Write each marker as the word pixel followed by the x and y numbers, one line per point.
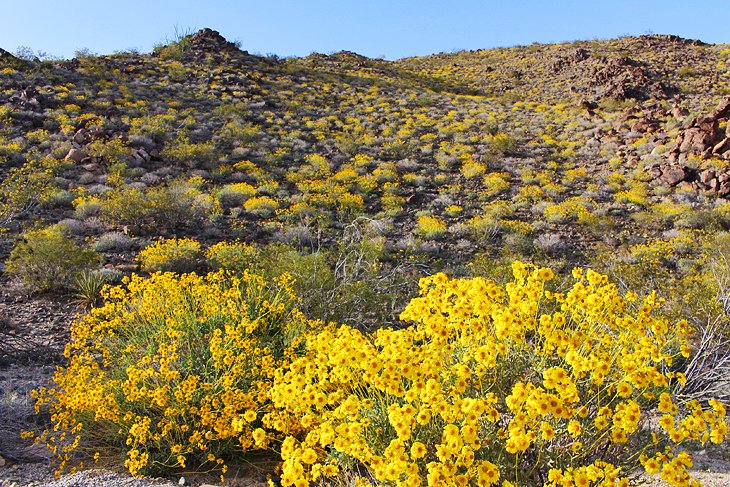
pixel 46 260
pixel 23 188
pixel 349 283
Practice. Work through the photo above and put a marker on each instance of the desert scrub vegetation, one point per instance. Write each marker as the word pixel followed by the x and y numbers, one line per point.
pixel 489 384
pixel 352 282
pixel 180 204
pixel 24 188
pixel 688 271
pixel 47 260
pixel 429 226
pixel 495 385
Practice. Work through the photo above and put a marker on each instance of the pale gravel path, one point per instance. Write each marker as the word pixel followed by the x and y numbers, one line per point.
pixel 88 478
pixel 91 478
pixel 718 477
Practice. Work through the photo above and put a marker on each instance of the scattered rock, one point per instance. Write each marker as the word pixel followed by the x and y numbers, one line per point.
pixel 624 78
pixel 721 147
pixel 679 113
pixel 644 125
pixel 707 176
pixel 82 137
pixel 75 155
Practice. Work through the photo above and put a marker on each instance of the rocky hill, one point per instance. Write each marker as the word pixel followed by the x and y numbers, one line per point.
pixel 543 151
pixel 548 152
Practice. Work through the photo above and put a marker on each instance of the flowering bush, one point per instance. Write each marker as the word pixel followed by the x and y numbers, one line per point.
pixel 175 370
pixel 233 256
pixel 430 226
pixel 171 255
pixel 180 204
pixel 234 194
pixel 263 206
pixel 517 385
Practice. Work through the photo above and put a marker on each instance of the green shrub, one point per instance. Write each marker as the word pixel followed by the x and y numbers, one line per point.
pixel 46 260
pixel 501 144
pixel 171 255
pixel 233 195
pixel 176 206
pixel 112 152
pixel 349 283
pixel 192 154
pixel 25 187
pixel 88 285
pixel 156 127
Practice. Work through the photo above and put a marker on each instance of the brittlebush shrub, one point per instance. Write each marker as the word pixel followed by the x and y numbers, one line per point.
pixel 233 256
pixel 430 227
pixel 178 205
pixel 175 371
pixel 494 385
pixel 171 255
pixel 47 260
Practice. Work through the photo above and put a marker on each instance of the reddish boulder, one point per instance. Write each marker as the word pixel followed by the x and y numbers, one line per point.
pixel 644 125
pixel 707 176
pixel 674 175
pixel 82 137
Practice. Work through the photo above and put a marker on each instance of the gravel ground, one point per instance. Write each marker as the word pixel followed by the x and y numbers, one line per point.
pixel 29 476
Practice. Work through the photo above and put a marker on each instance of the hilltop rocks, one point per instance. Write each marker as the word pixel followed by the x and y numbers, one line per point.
pixel 207 42
pixel 660 40
pixel 577 56
pixel 702 136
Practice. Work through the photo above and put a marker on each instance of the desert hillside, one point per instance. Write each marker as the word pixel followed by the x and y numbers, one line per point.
pixel 359 177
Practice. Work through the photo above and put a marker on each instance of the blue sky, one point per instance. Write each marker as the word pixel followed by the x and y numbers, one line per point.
pixel 390 28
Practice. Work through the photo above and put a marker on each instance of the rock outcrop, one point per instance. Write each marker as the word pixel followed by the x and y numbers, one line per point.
pixel 702 136
pixel 207 42
pixel 624 78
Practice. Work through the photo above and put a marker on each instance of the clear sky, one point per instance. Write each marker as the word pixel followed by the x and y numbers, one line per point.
pixel 390 28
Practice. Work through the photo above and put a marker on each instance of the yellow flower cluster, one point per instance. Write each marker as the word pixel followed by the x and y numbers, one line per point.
pixel 491 385
pixel 512 384
pixel 261 205
pixel 175 369
pixel 577 208
pixel 170 255
pixel 430 226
